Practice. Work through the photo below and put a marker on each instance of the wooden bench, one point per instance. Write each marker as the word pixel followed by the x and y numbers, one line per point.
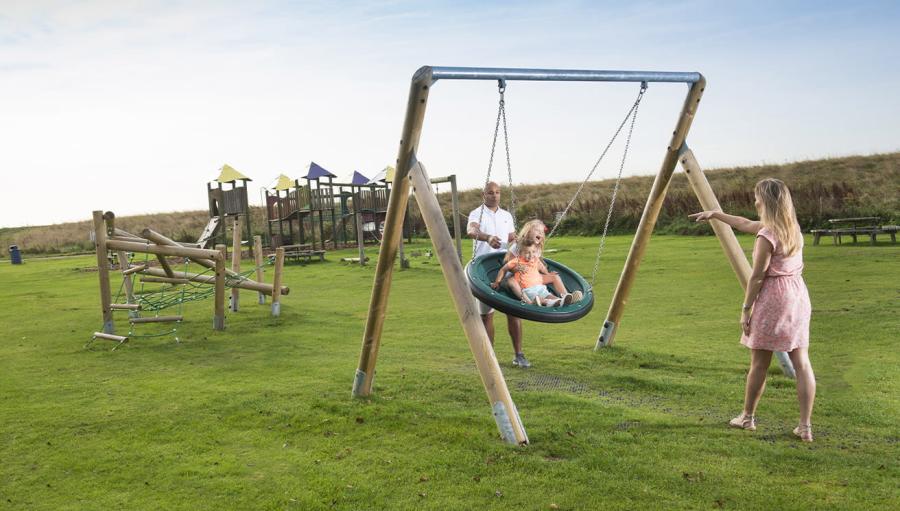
pixel 303 253
pixel 853 227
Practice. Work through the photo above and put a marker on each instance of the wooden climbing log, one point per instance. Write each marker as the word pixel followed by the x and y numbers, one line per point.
pixel 101 245
pixel 276 284
pixel 148 248
pixel 127 283
pixel 125 306
pixel 158 238
pixel 123 233
pixel 134 269
pixel 165 280
pixel 219 314
pixel 157 319
pixel 258 255
pixel 110 337
pixel 134 239
pixel 248 284
pixel 165 265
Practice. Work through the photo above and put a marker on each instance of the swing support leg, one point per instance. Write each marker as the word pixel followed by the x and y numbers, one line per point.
pixel 103 271
pixel 505 413
pixel 651 213
pixel 219 314
pixel 724 233
pixel 393 227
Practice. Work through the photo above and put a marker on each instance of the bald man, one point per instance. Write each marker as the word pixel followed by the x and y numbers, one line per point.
pixel 493 229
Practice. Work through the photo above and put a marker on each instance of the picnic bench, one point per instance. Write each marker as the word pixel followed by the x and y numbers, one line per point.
pixel 853 227
pixel 301 252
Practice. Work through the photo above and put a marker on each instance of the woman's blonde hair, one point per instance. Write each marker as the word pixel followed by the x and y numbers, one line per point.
pixel 526 229
pixel 777 213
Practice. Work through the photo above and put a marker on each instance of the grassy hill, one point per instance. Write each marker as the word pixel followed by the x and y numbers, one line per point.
pixel 822 189
pixel 829 188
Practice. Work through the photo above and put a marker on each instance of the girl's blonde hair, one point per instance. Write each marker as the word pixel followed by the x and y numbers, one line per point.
pixel 526 229
pixel 777 213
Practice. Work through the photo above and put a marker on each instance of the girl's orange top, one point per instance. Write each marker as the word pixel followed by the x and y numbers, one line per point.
pixel 530 277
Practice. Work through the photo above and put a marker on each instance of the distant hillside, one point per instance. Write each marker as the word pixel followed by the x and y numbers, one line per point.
pixel 822 189
pixel 74 237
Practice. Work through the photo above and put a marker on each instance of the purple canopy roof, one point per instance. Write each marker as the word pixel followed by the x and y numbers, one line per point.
pixel 359 179
pixel 315 171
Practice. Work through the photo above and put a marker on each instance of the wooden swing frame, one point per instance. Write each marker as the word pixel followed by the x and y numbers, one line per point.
pixel 409 171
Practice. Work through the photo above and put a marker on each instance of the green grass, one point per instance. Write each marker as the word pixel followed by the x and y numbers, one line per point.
pixel 260 416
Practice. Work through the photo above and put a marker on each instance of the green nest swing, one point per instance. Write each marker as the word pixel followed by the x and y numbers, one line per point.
pixel 482 271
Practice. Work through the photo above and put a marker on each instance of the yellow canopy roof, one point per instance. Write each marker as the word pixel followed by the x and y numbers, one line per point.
pixel 389 174
pixel 284 183
pixel 227 174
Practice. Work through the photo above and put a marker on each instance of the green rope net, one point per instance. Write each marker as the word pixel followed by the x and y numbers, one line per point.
pixel 168 296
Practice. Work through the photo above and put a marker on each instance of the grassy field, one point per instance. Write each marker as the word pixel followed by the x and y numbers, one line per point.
pixel 259 416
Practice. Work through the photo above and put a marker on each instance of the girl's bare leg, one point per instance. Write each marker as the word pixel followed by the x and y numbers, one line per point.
pixel 554 280
pixel 756 380
pixel 806 383
pixel 516 289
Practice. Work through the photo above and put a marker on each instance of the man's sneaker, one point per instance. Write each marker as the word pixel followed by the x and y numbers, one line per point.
pixel 521 362
pixel 577 296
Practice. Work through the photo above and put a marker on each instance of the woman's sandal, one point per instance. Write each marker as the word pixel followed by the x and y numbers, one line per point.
pixel 804 432
pixel 742 421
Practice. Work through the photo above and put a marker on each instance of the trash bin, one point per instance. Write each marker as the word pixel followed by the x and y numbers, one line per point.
pixel 14 255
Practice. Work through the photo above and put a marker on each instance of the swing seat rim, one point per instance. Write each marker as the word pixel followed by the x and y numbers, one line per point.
pixel 476 274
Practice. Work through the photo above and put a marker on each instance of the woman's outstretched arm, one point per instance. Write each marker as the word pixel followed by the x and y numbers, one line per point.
pixel 738 222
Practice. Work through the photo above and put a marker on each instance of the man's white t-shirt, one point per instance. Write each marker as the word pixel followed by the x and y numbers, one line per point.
pixel 494 223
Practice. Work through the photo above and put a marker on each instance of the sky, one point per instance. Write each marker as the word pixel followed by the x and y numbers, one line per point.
pixel 133 106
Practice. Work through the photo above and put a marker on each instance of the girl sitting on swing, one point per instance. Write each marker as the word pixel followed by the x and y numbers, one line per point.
pixel 530 276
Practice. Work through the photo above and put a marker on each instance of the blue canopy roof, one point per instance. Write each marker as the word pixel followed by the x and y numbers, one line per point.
pixel 315 171
pixel 359 179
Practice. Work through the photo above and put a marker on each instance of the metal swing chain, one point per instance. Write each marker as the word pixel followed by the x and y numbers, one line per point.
pixel 512 193
pixel 501 114
pixel 631 111
pixel 612 201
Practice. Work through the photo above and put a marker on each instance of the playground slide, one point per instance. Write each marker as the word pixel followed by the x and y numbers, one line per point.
pixel 208 232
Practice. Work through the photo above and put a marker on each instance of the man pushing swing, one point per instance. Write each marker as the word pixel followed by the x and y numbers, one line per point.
pixel 494 229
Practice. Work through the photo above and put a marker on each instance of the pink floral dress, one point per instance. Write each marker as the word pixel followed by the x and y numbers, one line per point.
pixel 780 317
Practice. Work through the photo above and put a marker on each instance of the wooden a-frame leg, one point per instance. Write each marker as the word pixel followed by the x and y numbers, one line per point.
pixel 649 216
pixel 724 233
pixel 505 413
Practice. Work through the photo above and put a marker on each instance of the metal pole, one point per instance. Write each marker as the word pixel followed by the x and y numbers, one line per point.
pixel 409 141
pixel 558 75
pixel 651 212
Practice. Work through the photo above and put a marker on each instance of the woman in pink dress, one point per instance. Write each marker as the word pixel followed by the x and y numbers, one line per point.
pixel 776 311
